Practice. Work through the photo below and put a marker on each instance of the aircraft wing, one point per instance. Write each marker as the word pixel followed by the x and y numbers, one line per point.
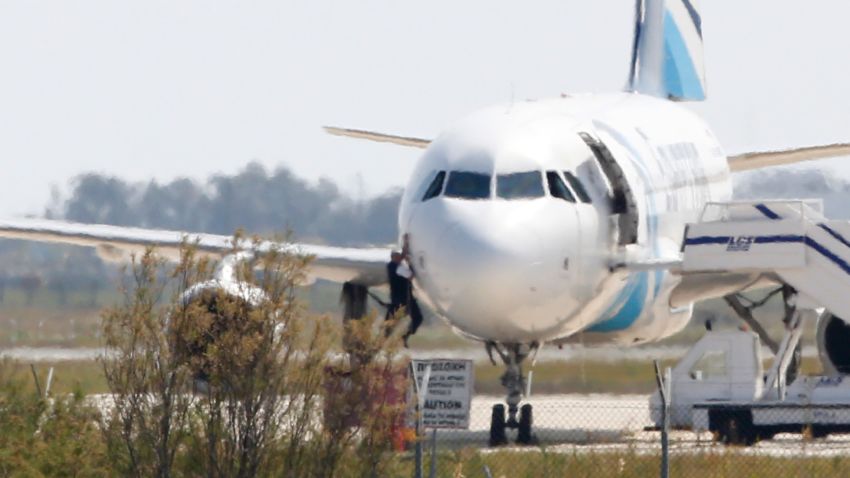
pixel 378 137
pixel 698 286
pixel 737 162
pixel 756 160
pixel 362 266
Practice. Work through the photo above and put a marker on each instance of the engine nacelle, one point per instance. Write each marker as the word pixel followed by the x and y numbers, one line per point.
pixel 249 293
pixel 833 338
pixel 225 307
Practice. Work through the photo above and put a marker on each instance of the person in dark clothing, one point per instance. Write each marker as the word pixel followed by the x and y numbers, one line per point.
pixel 399 275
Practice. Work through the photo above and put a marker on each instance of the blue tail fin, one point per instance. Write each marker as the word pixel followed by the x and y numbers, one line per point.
pixel 667 56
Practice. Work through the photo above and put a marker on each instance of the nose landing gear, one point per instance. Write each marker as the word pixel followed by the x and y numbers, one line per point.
pixel 512 356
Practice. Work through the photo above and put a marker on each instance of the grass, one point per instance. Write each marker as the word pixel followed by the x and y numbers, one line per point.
pixel 68 376
pixel 76 323
pixel 713 463
pixel 549 377
pixel 624 377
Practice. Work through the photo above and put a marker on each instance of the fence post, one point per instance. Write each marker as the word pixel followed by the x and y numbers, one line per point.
pixel 433 472
pixel 420 391
pixel 35 377
pixel 664 391
pixel 49 382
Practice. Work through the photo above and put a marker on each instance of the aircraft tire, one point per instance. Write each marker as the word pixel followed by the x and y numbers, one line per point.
pixel 497 426
pixel 526 421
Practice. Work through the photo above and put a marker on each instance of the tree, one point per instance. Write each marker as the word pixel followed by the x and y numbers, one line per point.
pixel 101 200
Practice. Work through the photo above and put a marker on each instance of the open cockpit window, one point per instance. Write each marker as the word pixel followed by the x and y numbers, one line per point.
pixel 557 188
pixel 520 185
pixel 577 186
pixel 468 185
pixel 436 186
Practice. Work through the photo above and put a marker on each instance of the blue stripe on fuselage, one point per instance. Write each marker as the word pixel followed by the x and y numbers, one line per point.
pixel 633 295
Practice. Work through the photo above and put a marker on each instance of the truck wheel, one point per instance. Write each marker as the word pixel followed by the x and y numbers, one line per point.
pixel 818 431
pixel 737 430
pixel 497 426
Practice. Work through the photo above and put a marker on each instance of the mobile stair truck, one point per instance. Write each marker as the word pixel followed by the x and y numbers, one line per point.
pixel 721 385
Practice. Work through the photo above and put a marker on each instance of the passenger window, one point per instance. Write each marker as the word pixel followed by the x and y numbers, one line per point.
pixel 466 185
pixel 436 186
pixel 577 186
pixel 557 188
pixel 519 185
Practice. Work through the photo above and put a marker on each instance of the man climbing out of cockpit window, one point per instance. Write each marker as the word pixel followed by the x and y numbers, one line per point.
pixel 399 275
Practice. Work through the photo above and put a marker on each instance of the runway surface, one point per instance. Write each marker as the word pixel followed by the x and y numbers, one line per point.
pixel 615 423
pixel 546 354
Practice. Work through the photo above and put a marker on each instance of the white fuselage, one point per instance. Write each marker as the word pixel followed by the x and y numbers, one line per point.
pixel 504 254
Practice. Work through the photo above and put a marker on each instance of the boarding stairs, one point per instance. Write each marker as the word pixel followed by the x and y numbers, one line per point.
pixel 790 239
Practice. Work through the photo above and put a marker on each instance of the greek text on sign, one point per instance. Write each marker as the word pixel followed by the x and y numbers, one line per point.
pixel 448 393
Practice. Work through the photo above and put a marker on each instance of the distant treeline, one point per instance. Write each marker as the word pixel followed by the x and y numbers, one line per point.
pixel 814 183
pixel 257 200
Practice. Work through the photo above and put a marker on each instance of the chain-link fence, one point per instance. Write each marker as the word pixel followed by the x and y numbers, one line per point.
pixel 606 435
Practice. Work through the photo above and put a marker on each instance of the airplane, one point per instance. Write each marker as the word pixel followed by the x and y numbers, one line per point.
pixel 539 221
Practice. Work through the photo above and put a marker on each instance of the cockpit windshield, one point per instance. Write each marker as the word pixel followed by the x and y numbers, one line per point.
pixel 468 185
pixel 520 185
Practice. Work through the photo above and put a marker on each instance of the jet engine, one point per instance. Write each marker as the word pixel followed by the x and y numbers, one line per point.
pixel 833 339
pixel 215 310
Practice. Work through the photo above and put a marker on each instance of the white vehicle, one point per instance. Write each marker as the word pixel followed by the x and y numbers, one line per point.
pixel 721 386
pixel 533 221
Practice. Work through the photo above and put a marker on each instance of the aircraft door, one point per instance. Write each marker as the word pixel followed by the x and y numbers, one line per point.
pixel 621 197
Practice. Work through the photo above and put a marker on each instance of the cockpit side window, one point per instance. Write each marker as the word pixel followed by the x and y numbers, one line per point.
pixel 557 188
pixel 519 185
pixel 436 186
pixel 468 185
pixel 578 187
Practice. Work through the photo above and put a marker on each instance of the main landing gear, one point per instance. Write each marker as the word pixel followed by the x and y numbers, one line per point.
pixel 512 356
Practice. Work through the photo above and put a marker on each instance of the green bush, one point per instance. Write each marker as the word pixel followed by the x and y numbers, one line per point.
pixel 54 437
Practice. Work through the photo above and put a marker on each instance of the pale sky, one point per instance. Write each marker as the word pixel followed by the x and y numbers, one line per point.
pixel 160 89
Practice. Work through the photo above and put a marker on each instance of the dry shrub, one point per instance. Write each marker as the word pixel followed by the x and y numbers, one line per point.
pixel 55 436
pixel 236 384
pixel 149 380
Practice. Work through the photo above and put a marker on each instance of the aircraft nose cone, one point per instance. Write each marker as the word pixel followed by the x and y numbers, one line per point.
pixel 486 273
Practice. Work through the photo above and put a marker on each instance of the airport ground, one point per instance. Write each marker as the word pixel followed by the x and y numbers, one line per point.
pixel 68 337
pixel 590 404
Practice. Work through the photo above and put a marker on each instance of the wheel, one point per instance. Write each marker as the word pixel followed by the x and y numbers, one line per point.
pixel 737 430
pixel 497 426
pixel 816 431
pixel 526 420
